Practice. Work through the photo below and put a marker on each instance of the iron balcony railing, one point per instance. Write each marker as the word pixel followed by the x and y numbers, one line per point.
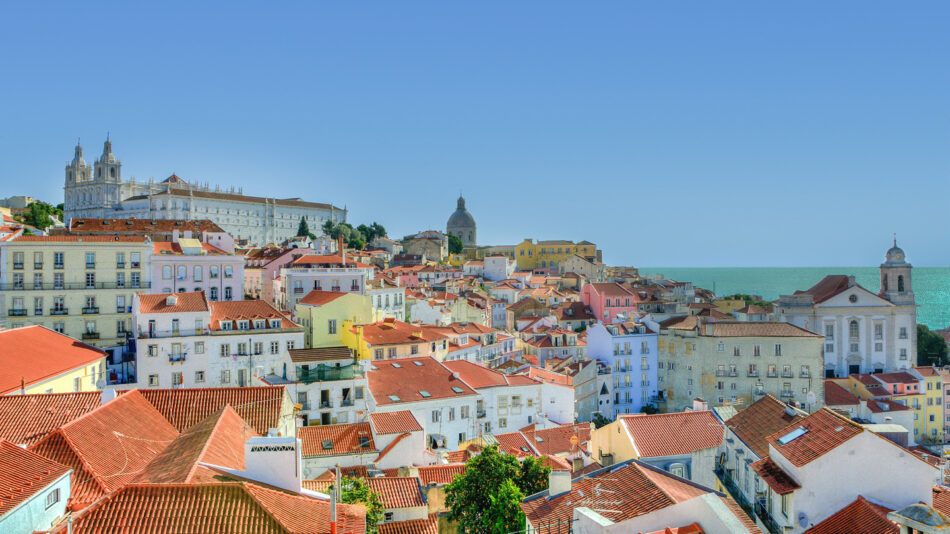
pixel 322 373
pixel 90 310
pixel 173 358
pixel 16 312
pixel 66 286
pixel 180 332
pixel 304 405
pixel 90 335
pixel 59 311
pixel 725 476
pixel 766 518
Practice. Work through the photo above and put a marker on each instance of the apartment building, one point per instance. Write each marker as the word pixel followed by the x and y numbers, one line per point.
pixel 323 273
pixel 630 351
pixel 328 384
pixel 81 286
pixel 389 339
pixel 190 265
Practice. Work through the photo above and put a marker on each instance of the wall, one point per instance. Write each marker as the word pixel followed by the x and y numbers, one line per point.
pixel 33 515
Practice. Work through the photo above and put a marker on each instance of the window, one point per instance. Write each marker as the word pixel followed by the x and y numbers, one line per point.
pixel 213 271
pixel 120 260
pixel 226 325
pixel 258 347
pixel 853 329
pixel 153 380
pixel 829 347
pixel 677 469
pixel 214 293
pixel 52 497
pixel 182 272
pixel 463 412
pixel 785 504
pixel 290 345
pixel 228 271
pixel 90 280
pixel 37 280
pixel 59 328
pixel 903 333
pixel 225 376
pixel 414 349
pixel 502 422
pixel 199 347
pixel 90 260
pixel 756 351
pixel 176 378
pixel 227 293
pixel 136 279
pixel 199 377
pixel 196 273
pixel 436 415
pixel 120 327
pixel 331 326
pixel 274 347
pixel 225 350
pixel 903 355
pixel 778 349
pixel 57 260
pixel 166 272
pixel 242 349
pixel 136 259
pixel 37 305
pixel 58 282
pixel 736 351
pixel 388 516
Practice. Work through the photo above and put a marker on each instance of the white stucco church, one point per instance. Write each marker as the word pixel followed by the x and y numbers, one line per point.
pixel 98 192
pixel 864 332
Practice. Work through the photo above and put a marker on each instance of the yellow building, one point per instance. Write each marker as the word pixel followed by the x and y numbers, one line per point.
pixel 34 359
pixel 930 416
pixel 81 286
pixel 729 305
pixel 543 254
pixel 322 314
pixel 920 390
pixel 390 339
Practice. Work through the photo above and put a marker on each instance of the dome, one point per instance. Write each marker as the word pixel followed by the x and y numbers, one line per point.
pixel 894 254
pixel 461 218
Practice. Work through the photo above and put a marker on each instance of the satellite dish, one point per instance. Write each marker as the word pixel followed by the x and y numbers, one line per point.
pixel 802 519
pixel 101 383
pixel 812 398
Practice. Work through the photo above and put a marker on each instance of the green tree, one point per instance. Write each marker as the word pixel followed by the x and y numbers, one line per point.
pixel 931 347
pixel 357 491
pixel 378 229
pixel 455 244
pixel 599 420
pixel 469 497
pixel 505 514
pixel 649 409
pixel 38 214
pixel 304 229
pixel 532 476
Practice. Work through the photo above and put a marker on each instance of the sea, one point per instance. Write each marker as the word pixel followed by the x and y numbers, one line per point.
pixel 931 285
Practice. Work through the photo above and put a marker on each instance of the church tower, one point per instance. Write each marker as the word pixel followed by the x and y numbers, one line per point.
pixel 78 180
pixel 462 225
pixel 77 171
pixel 108 178
pixel 896 281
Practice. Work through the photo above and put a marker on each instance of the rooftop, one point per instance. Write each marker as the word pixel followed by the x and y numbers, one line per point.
pixel 824 430
pixel 332 440
pixel 112 226
pixel 260 407
pixel 394 422
pixel 860 516
pixel 320 354
pixel 32 354
pixel 673 434
pixel 320 298
pixel 761 419
pixel 26 419
pixel 413 379
pixel 188 302
pixel 23 474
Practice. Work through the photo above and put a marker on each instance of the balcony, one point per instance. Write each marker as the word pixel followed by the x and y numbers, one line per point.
pixel 753 374
pixel 770 524
pixel 725 476
pixel 90 335
pixel 788 375
pixel 120 265
pixel 346 403
pixel 176 358
pixel 298 290
pixel 806 374
pixel 323 373
pixel 480 414
pixel 721 373
pixel 786 394
pixel 38 265
pixel 90 310
pixel 179 332
pixel 16 312
pixel 56 286
pixel 305 405
pixel 57 265
pixel 772 374
pixel 18 265
pixel 325 404
pixel 733 373
pixel 59 311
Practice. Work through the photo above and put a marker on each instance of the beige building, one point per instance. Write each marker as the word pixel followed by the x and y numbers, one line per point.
pixel 736 363
pixel 81 286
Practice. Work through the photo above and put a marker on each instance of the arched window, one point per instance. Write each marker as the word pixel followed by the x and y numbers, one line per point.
pixel 900 283
pixel 853 329
pixel 112 172
pixel 884 282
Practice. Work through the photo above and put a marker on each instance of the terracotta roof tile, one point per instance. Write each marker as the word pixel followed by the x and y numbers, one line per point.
pixel 235 310
pixel 673 434
pixel 50 354
pixel 429 525
pixel 320 298
pixel 393 332
pixel 81 238
pixel 477 376
pixel 328 260
pixel 774 476
pixel 328 440
pixel 859 516
pixel 164 248
pixel 757 329
pixel 260 407
pixel 564 439
pixel 23 474
pixel 635 488
pixel 899 377
pixel 825 431
pixel 25 419
pixel 398 492
pixel 108 447
pixel 220 508
pixel 759 420
pixel 827 287
pixel 515 444
pixel 395 422
pixel 190 302
pixel 415 379
pixel 454 457
pixel 320 354
pixel 112 226
pixel 440 474
pixel 941 496
pixel 836 395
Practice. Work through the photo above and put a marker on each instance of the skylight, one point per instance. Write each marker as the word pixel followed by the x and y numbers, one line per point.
pixel 327 444
pixel 397 366
pixel 394 398
pixel 539 439
pixel 791 436
pixel 364 443
pixel 457 389
pixel 418 363
pixel 425 394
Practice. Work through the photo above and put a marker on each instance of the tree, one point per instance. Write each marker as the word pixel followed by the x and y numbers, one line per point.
pixel 599 420
pixel 38 214
pixel 478 498
pixel 357 491
pixel 304 229
pixel 649 409
pixel 931 347
pixel 505 513
pixel 532 476
pixel 455 244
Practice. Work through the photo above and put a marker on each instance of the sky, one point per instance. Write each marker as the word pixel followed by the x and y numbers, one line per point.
pixel 693 133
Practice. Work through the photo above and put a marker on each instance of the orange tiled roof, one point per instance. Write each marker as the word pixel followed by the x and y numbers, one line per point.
pixel 692 528
pixel 393 332
pixel 759 420
pixel 111 226
pixel 398 492
pixel 515 444
pixel 859 516
pixel 394 422
pixel 320 298
pixel 564 439
pixel 477 376
pixel 235 310
pixel 941 495
pixel 827 287
pixel 108 447
pixel 556 463
pixel 25 419
pixel 454 457
pixel 635 488
pixel 429 525
pixel 218 440
pixel 23 474
pixel 774 476
pixel 836 395
pixel 413 379
pixel 32 354
pixel 164 248
pixel 757 329
pixel 260 407
pixel 189 302
pixel 826 430
pixel 672 434
pixel 219 508
pixel 328 260
pixel 440 474
pixel 81 238
pixel 327 440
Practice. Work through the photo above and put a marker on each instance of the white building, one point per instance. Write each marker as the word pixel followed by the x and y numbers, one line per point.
pixel 630 351
pixel 190 265
pixel 259 220
pixel 498 268
pixel 324 273
pixel 35 490
pixel 182 340
pixel 328 384
pixel 387 297
pixel 864 332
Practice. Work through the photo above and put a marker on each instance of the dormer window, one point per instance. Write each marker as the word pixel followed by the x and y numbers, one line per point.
pixel 275 323
pixel 226 325
pixel 259 323
pixel 243 325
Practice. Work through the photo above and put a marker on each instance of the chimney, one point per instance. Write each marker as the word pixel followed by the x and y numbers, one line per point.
pixel 559 482
pixel 171 300
pixel 699 404
pixel 275 461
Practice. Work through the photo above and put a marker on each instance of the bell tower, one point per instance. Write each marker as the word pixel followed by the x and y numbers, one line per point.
pixel 78 180
pixel 896 278
pixel 108 178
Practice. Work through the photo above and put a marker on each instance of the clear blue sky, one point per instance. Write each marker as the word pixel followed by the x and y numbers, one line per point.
pixel 669 133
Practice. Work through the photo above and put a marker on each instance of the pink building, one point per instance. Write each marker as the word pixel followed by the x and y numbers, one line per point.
pixel 899 383
pixel 607 301
pixel 262 266
pixel 190 265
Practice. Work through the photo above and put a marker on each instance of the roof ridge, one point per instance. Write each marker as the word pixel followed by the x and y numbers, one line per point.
pixel 204 447
pixel 259 503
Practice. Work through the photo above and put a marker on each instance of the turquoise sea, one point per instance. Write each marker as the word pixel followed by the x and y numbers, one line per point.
pixel 931 284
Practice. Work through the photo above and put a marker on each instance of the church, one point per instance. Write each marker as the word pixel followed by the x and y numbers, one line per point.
pixel 462 225
pixel 865 332
pixel 98 192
